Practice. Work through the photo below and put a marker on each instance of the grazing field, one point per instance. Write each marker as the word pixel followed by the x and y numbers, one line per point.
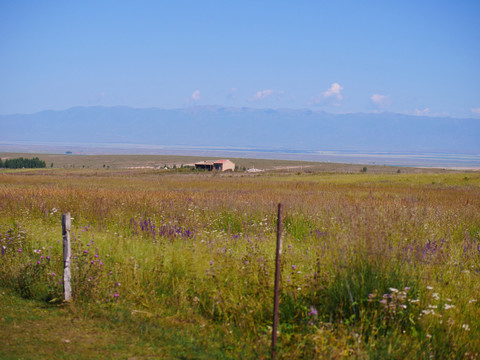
pixel 374 265
pixel 131 162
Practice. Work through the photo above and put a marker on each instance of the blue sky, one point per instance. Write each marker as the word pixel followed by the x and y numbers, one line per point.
pixel 416 57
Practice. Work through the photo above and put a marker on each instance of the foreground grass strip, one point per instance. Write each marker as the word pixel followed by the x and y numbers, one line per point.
pixel 31 329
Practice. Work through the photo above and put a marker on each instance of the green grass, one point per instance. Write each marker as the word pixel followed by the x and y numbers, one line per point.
pixel 373 265
pixel 32 329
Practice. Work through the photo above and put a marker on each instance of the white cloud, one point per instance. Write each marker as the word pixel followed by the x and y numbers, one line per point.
pixel 476 111
pixel 196 95
pixel 381 100
pixel 263 94
pixel 334 92
pixel 260 95
pixel 333 96
pixel 233 93
pixel 424 112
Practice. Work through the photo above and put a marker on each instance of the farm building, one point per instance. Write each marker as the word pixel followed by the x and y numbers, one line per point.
pixel 219 165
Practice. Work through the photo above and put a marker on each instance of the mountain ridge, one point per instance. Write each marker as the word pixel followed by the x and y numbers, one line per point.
pixel 230 126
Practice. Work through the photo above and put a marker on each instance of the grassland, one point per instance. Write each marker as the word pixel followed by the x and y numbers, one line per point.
pixel 132 162
pixel 180 264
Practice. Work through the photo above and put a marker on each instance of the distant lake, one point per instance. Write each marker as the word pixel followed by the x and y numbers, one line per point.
pixel 430 159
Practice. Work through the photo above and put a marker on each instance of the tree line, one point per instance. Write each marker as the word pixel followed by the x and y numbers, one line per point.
pixel 19 163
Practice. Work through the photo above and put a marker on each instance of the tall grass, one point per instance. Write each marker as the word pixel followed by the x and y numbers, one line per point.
pixel 373 265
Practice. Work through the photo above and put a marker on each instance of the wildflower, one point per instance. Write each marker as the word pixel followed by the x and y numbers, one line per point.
pixel 38 262
pixel 472 301
pixel 393 290
pixel 429 288
pixel 407 288
pixel 294 267
pixel 96 255
pixel 19 250
pixel 435 296
pixel 53 274
pixel 313 311
pixel 48 257
pixel 448 306
pixel 466 327
pixel 117 284
pixel 115 295
pixel 85 251
pixel 92 262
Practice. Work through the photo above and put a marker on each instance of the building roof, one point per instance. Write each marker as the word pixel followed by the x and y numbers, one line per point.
pixel 205 162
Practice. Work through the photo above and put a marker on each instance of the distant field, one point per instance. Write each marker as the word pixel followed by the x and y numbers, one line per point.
pixel 115 162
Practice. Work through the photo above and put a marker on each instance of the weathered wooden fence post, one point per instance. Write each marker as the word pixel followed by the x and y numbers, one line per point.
pixel 277 282
pixel 67 254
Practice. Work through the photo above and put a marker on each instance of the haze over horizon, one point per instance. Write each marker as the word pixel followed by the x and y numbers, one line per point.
pixel 414 57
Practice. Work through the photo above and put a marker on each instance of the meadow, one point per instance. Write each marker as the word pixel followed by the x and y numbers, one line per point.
pixel 374 265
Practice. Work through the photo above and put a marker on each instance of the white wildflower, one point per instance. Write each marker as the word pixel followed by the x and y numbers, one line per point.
pixel 466 327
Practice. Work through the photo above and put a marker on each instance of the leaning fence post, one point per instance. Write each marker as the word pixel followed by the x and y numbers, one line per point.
pixel 277 282
pixel 67 254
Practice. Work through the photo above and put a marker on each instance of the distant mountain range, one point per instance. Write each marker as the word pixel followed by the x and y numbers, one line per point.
pixel 246 127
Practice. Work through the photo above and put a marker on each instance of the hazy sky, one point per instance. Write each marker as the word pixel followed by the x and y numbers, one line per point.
pixel 416 57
